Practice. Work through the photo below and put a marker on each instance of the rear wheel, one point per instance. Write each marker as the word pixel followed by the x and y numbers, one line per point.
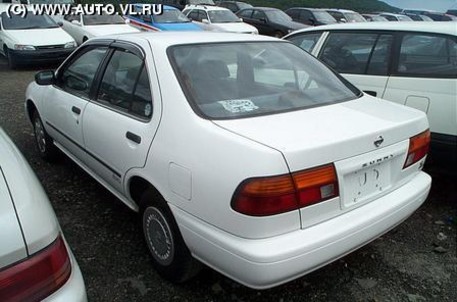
pixel 44 143
pixel 170 255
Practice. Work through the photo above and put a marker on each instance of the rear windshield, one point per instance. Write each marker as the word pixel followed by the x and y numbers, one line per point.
pixel 222 16
pixel 235 80
pixel 171 16
pixel 31 21
pixel 103 19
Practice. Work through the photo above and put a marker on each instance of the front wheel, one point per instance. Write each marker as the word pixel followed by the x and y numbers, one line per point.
pixel 170 255
pixel 44 143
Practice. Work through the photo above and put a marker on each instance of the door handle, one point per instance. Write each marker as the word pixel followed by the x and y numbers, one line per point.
pixel 372 93
pixel 76 110
pixel 133 137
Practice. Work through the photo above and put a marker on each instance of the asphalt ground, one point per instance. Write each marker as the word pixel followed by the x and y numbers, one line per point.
pixel 417 261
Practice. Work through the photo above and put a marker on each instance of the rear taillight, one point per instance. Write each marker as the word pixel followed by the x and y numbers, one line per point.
pixel 38 276
pixel 418 148
pixel 278 194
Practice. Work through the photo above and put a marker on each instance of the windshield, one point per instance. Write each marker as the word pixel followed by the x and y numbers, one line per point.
pixel 235 80
pixel 222 16
pixel 354 17
pixel 324 17
pixel 170 16
pixel 278 16
pixel 31 21
pixel 102 19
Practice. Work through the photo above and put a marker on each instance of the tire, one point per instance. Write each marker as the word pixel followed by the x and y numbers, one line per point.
pixel 170 255
pixel 12 64
pixel 45 145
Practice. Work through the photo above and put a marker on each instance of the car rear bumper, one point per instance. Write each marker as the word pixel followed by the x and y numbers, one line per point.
pixel 268 262
pixel 40 56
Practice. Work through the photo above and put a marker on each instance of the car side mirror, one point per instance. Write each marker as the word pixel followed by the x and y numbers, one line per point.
pixel 241 19
pixel 147 18
pixel 343 20
pixel 45 78
pixel 311 21
pixel 60 23
pixel 263 20
pixel 206 21
pixel 75 22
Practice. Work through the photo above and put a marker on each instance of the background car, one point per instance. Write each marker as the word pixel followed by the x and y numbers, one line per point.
pixel 32 39
pixel 181 4
pixel 395 17
pixel 345 15
pixel 230 185
pixel 440 16
pixel 234 6
pixel 36 262
pixel 171 19
pixel 269 21
pixel 84 27
pixel 214 18
pixel 417 17
pixel 400 62
pixel 374 18
pixel 310 16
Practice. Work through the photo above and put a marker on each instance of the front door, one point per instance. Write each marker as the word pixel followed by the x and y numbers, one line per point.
pixel 67 100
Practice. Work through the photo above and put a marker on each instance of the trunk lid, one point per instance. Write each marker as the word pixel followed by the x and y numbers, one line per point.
pixel 366 139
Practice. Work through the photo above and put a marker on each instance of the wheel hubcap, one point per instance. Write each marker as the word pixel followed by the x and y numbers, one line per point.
pixel 39 136
pixel 158 236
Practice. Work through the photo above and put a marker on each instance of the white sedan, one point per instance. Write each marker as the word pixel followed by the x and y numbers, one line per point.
pixel 242 152
pixel 84 27
pixel 35 260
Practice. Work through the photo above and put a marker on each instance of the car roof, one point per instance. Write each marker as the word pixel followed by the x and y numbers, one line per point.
pixel 165 7
pixel 340 10
pixel 170 38
pixel 205 7
pixel 309 8
pixel 262 8
pixel 428 27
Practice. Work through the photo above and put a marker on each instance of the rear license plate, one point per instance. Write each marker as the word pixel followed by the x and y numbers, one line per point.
pixel 365 184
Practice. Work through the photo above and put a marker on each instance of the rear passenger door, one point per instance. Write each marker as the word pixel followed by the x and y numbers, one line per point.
pixel 362 57
pixel 424 76
pixel 120 123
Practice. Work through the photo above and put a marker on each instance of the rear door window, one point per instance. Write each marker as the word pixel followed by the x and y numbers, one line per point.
pixel 426 55
pixel 357 53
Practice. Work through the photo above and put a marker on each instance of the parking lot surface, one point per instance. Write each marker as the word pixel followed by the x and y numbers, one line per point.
pixel 417 261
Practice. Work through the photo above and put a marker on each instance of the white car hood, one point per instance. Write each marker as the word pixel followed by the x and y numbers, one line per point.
pixel 312 136
pixel 40 37
pixel 109 29
pixel 235 27
pixel 33 210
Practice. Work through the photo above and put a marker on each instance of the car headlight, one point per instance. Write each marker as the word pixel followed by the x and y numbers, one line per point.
pixel 24 47
pixel 71 44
